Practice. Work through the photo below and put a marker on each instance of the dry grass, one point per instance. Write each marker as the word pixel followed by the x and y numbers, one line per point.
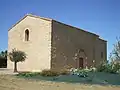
pixel 8 82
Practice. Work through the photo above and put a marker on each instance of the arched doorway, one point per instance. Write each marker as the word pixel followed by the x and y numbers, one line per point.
pixel 80 63
pixel 81 59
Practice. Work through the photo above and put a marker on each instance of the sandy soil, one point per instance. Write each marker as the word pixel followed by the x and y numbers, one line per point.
pixel 8 82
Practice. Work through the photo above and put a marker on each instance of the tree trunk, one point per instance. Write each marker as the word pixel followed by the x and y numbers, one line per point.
pixel 15 66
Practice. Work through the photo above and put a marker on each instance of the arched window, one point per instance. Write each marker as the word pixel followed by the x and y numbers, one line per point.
pixel 26 35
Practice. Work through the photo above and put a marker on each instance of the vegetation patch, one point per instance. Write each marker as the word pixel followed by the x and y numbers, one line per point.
pixel 101 78
pixel 49 73
pixel 64 72
pixel 45 73
pixel 28 74
pixel 109 68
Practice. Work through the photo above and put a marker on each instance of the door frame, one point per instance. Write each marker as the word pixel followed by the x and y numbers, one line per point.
pixel 81 62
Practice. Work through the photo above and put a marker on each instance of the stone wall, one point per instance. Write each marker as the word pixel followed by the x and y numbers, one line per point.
pixel 38 48
pixel 69 42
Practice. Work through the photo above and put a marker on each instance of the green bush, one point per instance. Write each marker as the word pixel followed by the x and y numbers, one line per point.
pixel 64 72
pixel 83 73
pixel 80 72
pixel 28 74
pixel 116 67
pixel 109 67
pixel 44 73
pixel 101 67
pixel 49 73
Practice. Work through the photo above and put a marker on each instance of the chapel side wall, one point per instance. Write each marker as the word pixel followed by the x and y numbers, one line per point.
pixel 101 47
pixel 66 41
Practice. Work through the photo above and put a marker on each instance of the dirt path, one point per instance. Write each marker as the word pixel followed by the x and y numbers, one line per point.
pixel 8 82
pixel 6 71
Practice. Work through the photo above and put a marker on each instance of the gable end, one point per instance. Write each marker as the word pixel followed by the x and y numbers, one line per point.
pixel 30 15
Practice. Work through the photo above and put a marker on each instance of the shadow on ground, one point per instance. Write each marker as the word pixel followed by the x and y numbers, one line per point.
pixel 93 78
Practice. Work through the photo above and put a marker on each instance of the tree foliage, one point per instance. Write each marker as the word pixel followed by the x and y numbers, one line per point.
pixel 17 56
pixel 115 55
pixel 3 54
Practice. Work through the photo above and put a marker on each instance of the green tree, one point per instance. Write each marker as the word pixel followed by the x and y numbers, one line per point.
pixel 115 55
pixel 3 54
pixel 16 56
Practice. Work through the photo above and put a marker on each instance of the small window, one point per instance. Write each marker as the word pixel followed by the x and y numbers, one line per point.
pixel 27 35
pixel 101 54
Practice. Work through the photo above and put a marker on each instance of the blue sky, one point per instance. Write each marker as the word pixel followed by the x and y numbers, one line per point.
pixel 98 16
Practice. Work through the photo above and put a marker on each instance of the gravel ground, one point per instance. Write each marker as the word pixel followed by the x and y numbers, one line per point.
pixel 10 82
pixel 6 71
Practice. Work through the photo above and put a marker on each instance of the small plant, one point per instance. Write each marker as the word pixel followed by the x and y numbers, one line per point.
pixel 80 72
pixel 49 73
pixel 64 72
pixel 28 74
pixel 93 69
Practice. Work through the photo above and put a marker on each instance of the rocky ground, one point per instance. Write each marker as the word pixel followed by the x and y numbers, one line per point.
pixel 10 82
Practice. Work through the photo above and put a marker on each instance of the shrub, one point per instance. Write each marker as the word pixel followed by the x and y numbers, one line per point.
pixel 93 69
pixel 24 74
pixel 101 67
pixel 80 72
pixel 43 73
pixel 109 68
pixel 28 74
pixel 67 67
pixel 83 73
pixel 64 72
pixel 116 67
pixel 49 73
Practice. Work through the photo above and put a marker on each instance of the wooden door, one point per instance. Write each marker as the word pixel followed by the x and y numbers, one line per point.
pixel 80 62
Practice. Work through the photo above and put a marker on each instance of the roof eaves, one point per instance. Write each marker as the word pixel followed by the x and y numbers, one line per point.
pixel 102 40
pixel 76 28
pixel 30 16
